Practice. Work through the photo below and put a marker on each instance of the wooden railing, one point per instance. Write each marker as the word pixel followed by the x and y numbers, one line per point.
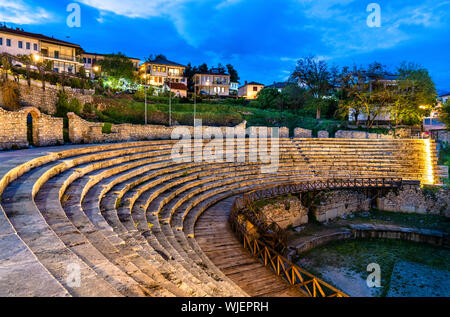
pixel 259 247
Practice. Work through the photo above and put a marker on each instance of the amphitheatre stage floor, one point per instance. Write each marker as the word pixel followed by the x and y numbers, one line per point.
pixel 218 241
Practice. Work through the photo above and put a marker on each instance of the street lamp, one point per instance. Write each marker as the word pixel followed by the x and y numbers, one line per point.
pixel 145 98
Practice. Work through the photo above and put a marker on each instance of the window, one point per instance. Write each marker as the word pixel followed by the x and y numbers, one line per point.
pixel 89 60
pixel 84 60
pixel 163 69
pixel 56 54
pixel 35 46
pixel 28 45
pixel 255 88
pixel 8 42
pixel 20 44
pixel 154 68
pixel 1 40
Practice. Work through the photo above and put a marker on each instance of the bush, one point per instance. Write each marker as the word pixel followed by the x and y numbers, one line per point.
pixel 63 106
pixel 75 83
pixel 75 106
pixel 107 128
pixel 11 95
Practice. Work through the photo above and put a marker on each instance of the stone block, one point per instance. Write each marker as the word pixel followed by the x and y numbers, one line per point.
pixel 302 133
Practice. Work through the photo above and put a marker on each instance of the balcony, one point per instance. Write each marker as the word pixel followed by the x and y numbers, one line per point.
pixel 61 57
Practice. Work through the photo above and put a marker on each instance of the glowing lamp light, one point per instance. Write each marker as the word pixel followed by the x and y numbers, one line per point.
pixel 96 68
pixel 429 179
pixel 36 57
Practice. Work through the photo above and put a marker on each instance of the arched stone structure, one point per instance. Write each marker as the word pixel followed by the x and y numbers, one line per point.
pixel 13 128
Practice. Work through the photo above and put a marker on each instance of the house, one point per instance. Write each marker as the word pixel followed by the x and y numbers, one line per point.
pixel 387 80
pixel 178 89
pixel 444 97
pixel 63 56
pixel 250 90
pixel 280 86
pixel 160 71
pixel 90 62
pixel 212 83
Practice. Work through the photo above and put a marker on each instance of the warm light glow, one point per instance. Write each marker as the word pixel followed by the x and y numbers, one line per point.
pixel 423 107
pixel 428 163
pixel 96 68
pixel 36 57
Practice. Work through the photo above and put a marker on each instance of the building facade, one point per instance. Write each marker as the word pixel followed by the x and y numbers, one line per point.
pixel 250 90
pixel 212 84
pixel 62 56
pixel 160 71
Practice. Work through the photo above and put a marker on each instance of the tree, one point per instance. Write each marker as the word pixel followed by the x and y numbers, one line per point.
pixel 416 94
pixel 294 97
pixel 153 57
pixel 203 68
pixel 269 98
pixel 234 76
pixel 314 74
pixel 118 66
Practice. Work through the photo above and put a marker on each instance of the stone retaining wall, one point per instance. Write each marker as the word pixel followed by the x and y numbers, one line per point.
pixel 341 134
pixel 45 101
pixel 46 130
pixel 415 200
pixel 441 136
pixel 82 131
pixel 339 203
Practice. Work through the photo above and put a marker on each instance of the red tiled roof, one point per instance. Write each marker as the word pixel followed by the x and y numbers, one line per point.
pixel 178 86
pixel 37 36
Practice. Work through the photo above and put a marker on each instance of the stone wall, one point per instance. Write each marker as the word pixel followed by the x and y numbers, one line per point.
pixel 339 203
pixel 286 211
pixel 341 134
pixel 46 130
pixel 441 135
pixel 415 200
pixel 45 101
pixel 82 131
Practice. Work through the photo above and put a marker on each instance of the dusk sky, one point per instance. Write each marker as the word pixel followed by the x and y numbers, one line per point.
pixel 261 38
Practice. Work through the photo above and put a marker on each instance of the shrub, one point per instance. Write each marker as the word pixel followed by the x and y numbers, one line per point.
pixel 63 106
pixel 75 83
pixel 107 128
pixel 75 106
pixel 11 95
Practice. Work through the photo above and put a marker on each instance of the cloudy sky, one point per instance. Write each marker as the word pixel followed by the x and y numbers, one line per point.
pixel 261 38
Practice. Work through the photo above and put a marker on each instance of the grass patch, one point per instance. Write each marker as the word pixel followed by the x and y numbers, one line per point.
pixel 432 222
pixel 355 255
